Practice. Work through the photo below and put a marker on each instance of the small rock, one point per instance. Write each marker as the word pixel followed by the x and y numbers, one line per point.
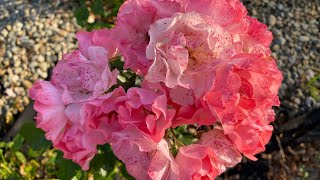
pixel 15 78
pixel 276 47
pixel 9 117
pixel 41 58
pixel 310 74
pixel 292 59
pixel 272 20
pixel 310 102
pixel 282 41
pixel 304 39
pixel 297 101
pixel 10 92
pixel 4 32
pixel 280 6
pixel 2 51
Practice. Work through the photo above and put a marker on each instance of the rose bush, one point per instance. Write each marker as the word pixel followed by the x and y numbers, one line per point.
pixel 203 64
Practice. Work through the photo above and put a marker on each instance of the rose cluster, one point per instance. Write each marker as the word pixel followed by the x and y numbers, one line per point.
pixel 202 63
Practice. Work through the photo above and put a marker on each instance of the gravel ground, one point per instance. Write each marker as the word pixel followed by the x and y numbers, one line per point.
pixel 33 36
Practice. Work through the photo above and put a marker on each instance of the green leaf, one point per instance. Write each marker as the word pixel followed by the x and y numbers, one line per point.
pixel 3 144
pixel 82 14
pixel 17 143
pixel 97 7
pixel 9 145
pixel 187 139
pixel 13 176
pixel 34 153
pixel 21 157
pixel 105 159
pixel 117 64
pixel 66 169
pixel 31 169
pixel 35 137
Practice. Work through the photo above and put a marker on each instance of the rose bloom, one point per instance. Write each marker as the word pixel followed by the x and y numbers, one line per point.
pixel 76 128
pixel 79 141
pixel 242 96
pixel 249 138
pixel 84 79
pixel 187 48
pixel 90 124
pixel 144 158
pixel 147 110
pixel 184 46
pixel 208 158
pixel 100 37
pixel 131 30
pixel 77 145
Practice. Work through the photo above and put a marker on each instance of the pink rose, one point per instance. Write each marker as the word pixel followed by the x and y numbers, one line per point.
pixel 50 108
pixel 250 139
pixel 77 145
pixel 198 113
pixel 84 79
pixel 144 158
pixel 242 96
pixel 76 128
pixel 208 158
pixel 99 117
pixel 224 12
pixel 101 37
pixel 131 31
pixel 185 50
pixel 147 110
pixel 90 124
pixel 246 84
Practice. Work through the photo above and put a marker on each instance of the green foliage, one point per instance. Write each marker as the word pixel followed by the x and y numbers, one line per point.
pixel 30 156
pixel 66 169
pixel 35 138
pixel 97 14
pixel 314 87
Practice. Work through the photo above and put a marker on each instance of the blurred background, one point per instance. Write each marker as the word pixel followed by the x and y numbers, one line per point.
pixel 35 33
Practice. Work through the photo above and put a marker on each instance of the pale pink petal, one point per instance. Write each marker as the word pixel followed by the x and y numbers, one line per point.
pixel 50 108
pixel 144 158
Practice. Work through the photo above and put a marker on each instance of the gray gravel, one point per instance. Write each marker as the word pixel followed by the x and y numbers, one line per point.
pixel 296 47
pixel 33 36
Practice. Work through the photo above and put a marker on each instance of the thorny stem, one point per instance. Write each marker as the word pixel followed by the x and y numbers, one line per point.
pixel 2 157
pixel 173 133
pixel 113 59
pixel 208 128
pixel 176 142
pixel 6 168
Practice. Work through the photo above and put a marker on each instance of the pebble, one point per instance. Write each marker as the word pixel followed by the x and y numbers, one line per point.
pixel 304 38
pixel 4 32
pixel 272 20
pixel 282 41
pixel 292 59
pixel 27 84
